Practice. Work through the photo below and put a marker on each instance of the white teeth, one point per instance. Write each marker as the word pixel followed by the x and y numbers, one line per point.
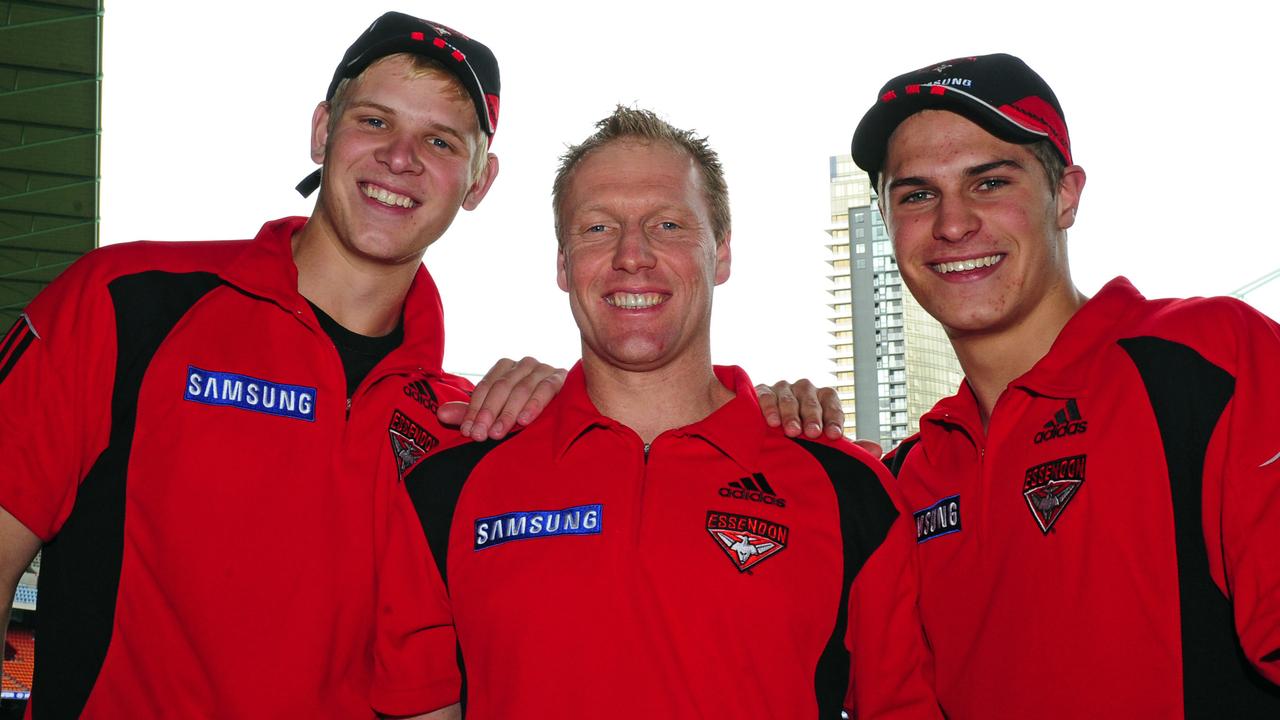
pixel 970 264
pixel 386 197
pixel 634 301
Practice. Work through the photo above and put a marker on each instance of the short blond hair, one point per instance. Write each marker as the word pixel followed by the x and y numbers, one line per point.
pixel 636 124
pixel 420 66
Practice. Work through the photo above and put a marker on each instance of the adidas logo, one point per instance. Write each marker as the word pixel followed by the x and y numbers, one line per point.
pixel 1065 422
pixel 754 488
pixel 420 392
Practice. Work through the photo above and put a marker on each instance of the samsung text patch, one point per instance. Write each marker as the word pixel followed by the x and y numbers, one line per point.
pixel 248 393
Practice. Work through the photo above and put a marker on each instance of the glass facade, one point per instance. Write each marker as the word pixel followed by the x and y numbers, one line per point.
pixel 907 364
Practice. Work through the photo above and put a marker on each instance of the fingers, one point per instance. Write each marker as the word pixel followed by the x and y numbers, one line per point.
pixel 546 383
pixel 802 407
pixel 832 419
pixel 808 408
pixel 478 413
pixel 452 413
pixel 768 400
pixel 870 446
pixel 510 394
pixel 778 403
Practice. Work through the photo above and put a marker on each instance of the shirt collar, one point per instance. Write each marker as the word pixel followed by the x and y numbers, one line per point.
pixel 265 268
pixel 1069 364
pixel 1065 370
pixel 736 428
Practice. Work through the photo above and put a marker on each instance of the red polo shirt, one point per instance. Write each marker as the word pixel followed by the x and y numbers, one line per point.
pixel 1107 546
pixel 217 515
pixel 723 571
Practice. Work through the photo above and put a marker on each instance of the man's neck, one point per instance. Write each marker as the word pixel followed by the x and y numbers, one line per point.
pixel 655 401
pixel 992 360
pixel 362 296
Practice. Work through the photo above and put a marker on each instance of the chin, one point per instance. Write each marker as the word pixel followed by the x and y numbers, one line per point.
pixel 634 356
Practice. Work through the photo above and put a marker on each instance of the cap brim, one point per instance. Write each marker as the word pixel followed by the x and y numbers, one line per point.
pixel 871 138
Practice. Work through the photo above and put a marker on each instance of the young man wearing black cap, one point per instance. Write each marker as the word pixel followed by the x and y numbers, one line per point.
pixel 209 438
pixel 1095 506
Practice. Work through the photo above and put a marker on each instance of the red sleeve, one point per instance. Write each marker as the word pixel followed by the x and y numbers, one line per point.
pixel 891 666
pixel 57 370
pixel 415 651
pixel 1242 489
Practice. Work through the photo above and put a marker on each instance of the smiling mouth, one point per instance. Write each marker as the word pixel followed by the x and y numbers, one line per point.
pixel 634 301
pixel 964 265
pixel 386 197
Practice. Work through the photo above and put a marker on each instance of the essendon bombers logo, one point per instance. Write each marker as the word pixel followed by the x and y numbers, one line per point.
pixel 747 541
pixel 409 442
pixel 1050 486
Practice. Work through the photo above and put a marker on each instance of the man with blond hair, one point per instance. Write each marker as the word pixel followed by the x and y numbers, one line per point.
pixel 209 438
pixel 650 547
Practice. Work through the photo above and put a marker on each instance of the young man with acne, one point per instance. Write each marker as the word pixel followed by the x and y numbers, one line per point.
pixel 1095 506
pixel 208 438
pixel 649 547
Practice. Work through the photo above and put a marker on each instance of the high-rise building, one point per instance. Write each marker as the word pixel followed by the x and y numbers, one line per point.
pixel 893 361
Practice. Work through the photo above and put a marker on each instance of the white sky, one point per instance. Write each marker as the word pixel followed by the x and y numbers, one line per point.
pixel 1171 106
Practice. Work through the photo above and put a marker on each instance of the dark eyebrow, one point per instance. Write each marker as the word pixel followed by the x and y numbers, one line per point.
pixel 985 168
pixel 974 171
pixel 906 182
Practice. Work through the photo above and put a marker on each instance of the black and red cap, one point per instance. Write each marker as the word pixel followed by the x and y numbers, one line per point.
pixel 998 92
pixel 469 60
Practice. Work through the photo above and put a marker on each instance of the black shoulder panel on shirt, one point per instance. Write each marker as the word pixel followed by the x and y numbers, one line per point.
pixel 15 342
pixel 1188 394
pixel 434 487
pixel 866 514
pixel 80 570
pixel 898 456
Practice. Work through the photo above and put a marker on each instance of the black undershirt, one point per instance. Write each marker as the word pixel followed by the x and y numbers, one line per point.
pixel 359 353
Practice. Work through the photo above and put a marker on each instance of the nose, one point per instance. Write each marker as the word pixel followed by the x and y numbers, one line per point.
pixel 400 154
pixel 955 220
pixel 633 252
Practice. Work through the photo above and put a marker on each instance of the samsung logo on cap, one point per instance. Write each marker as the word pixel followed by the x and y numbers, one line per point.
pixel 958 82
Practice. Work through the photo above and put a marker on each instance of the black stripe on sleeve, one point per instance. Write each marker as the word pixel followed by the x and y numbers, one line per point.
pixel 866 514
pixel 1188 395
pixel 15 343
pixel 80 573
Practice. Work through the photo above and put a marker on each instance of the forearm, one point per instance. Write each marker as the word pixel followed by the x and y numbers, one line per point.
pixel 18 546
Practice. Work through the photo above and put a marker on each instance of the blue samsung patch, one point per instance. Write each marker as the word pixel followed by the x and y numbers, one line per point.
pixel 940 518
pixel 580 520
pixel 248 393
